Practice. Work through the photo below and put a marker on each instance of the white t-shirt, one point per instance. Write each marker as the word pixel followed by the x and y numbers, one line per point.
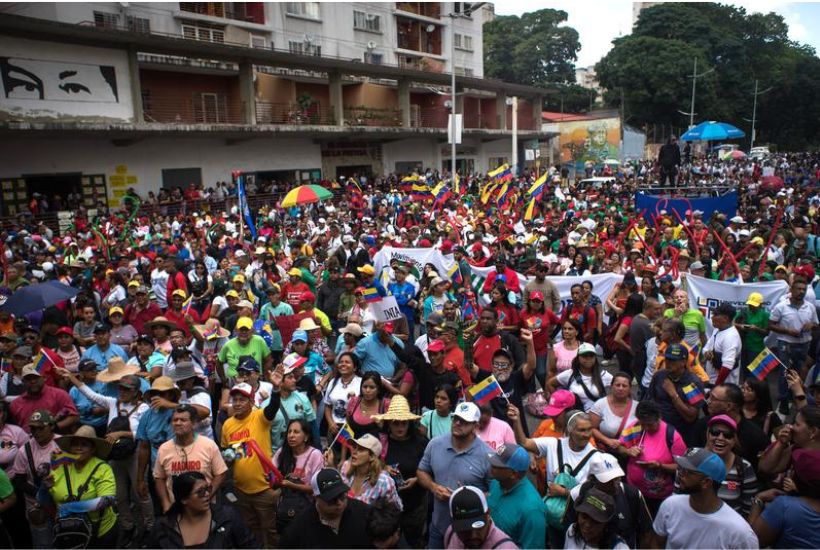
pixel 572 544
pixel 203 399
pixel 610 422
pixel 565 380
pixel 338 395
pixel 548 448
pixel 685 528
pixel 726 342
pixel 159 284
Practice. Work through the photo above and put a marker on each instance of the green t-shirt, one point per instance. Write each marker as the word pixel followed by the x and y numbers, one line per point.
pixel 693 321
pixel 753 341
pixel 233 350
pixel 5 486
pixel 103 484
pixel 436 425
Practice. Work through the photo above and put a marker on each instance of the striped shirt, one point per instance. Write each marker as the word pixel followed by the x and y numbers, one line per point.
pixel 384 487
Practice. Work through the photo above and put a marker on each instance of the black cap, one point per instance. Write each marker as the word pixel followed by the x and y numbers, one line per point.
pixel 87 364
pixel 327 484
pixel 468 508
pixel 179 351
pixel 102 327
pixel 145 338
pixel 247 363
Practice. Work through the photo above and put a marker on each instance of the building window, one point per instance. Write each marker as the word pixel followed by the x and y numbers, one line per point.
pixel 303 9
pixel 303 48
pixel 464 71
pixel 462 7
pixel 373 58
pixel 463 42
pixel 203 32
pixel 367 21
pixel 139 24
pixel 106 20
pixel 258 41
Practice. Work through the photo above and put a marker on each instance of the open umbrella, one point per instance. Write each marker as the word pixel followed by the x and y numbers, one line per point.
pixel 772 183
pixel 737 154
pixel 39 296
pixel 306 194
pixel 712 131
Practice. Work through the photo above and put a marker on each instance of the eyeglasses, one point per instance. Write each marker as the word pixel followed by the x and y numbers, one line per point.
pixel 501 366
pixel 203 491
pixel 727 434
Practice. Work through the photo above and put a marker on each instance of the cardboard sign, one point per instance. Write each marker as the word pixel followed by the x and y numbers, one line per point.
pixel 387 309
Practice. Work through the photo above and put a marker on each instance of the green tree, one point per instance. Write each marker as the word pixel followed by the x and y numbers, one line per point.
pixel 533 49
pixel 569 98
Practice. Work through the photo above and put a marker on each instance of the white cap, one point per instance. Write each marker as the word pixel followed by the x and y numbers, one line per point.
pixel 737 219
pixel 604 467
pixel 467 411
pixel 239 253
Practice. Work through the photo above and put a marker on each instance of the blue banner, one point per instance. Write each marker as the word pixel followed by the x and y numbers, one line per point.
pixel 727 204
pixel 243 205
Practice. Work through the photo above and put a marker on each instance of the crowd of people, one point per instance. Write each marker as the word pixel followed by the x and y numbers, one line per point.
pixel 224 382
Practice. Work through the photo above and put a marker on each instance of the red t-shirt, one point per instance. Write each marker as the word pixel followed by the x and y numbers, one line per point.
pixel 178 318
pixel 454 361
pixel 483 350
pixel 54 400
pixel 541 325
pixel 292 294
pixel 176 281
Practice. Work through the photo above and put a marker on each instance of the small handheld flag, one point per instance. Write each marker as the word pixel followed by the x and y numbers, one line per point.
pixel 693 394
pixel 454 274
pixel 632 433
pixel 343 436
pixel 763 364
pixel 486 390
pixel 40 361
pixel 61 458
pixel 371 295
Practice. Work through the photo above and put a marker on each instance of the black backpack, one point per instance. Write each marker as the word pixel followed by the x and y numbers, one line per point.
pixel 123 447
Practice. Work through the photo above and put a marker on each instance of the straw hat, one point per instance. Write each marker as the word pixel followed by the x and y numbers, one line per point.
pixel 161 384
pixel 308 324
pixel 116 370
pixel 101 447
pixel 399 409
pixel 161 320
pixel 213 329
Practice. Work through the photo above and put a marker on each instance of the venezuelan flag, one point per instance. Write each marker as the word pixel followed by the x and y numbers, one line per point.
pixel 693 394
pixel 454 273
pixel 763 364
pixel 537 187
pixel 40 361
pixel 60 458
pixel 371 294
pixel 486 390
pixel 498 171
pixel 488 190
pixel 345 435
pixel 420 191
pixel 529 213
pixel 632 433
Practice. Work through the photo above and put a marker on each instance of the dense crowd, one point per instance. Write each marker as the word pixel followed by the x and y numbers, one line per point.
pixel 224 382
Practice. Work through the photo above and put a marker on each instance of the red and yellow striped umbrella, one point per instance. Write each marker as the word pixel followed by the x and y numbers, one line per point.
pixel 306 194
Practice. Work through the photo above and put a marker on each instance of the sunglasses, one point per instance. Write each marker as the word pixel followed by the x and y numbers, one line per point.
pixel 501 366
pixel 203 491
pixel 727 434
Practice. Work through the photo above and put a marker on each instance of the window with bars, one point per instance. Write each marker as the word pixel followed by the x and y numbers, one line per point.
pixel 463 41
pixel 205 33
pixel 464 71
pixel 303 9
pixel 302 48
pixel 139 24
pixel 258 41
pixel 367 21
pixel 106 20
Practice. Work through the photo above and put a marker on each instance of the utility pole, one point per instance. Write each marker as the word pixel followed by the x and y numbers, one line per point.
pixel 694 78
pixel 754 112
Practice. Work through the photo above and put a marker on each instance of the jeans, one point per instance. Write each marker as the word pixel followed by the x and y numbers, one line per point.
pixel 435 538
pixel 541 368
pixel 42 534
pixel 792 356
pixel 259 514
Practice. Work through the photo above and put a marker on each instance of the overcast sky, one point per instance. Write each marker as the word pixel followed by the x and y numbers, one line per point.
pixel 598 22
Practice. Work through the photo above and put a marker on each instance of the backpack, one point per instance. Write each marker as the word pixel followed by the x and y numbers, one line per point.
pixel 557 505
pixel 291 504
pixel 123 447
pixel 75 530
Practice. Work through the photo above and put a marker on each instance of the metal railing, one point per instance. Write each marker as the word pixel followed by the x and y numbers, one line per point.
pixel 293 113
pixel 426 9
pixel 366 116
pixel 226 10
pixel 203 108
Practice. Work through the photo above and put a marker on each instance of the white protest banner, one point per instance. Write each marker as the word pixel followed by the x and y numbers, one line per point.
pixel 386 309
pixel 706 294
pixel 416 257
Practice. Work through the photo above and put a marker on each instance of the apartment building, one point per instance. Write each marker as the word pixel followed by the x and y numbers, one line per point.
pixel 98 97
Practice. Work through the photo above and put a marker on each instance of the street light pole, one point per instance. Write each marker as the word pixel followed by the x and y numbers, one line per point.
pixel 754 112
pixel 453 98
pixel 515 134
pixel 692 105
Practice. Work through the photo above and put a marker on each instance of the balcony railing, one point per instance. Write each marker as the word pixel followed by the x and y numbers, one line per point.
pixel 429 117
pixel 293 113
pixel 427 9
pixel 366 116
pixel 201 109
pixel 237 11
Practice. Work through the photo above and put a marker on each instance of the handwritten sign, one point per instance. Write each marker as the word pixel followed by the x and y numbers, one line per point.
pixel 387 309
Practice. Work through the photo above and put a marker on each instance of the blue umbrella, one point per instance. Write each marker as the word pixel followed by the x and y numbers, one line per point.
pixel 712 131
pixel 38 296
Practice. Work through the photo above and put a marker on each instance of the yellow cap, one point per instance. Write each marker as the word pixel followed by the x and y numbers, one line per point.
pixel 179 292
pixel 244 322
pixel 232 294
pixel 239 278
pixel 133 283
pixel 295 271
pixel 755 299
pixel 114 310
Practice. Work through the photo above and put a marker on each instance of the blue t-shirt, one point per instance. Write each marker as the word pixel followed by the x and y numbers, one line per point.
pixel 155 428
pixel 797 523
pixel 84 405
pixel 101 357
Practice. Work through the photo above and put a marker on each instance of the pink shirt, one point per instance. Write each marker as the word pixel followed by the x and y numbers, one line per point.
pixel 12 439
pixel 202 456
pixel 493 540
pixel 563 357
pixel 41 457
pixel 497 433
pixel 307 463
pixel 653 483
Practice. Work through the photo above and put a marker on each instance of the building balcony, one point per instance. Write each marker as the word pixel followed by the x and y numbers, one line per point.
pixel 366 116
pixel 249 12
pixel 202 108
pixel 293 113
pixel 431 10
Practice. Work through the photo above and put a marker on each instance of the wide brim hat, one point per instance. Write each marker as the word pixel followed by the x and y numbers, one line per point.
pixel 209 326
pixel 399 409
pixel 308 324
pixel 161 321
pixel 117 368
pixel 102 448
pixel 161 384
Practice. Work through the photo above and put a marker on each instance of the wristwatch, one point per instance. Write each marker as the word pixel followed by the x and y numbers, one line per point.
pixel 759 503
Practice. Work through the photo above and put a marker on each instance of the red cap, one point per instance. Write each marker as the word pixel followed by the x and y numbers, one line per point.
pixel 435 345
pixel 446 246
pixel 64 330
pixel 389 327
pixel 307 296
pixel 537 295
pixel 476 247
pixel 424 243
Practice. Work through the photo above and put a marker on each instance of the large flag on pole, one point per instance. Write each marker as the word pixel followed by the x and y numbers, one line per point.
pixel 243 205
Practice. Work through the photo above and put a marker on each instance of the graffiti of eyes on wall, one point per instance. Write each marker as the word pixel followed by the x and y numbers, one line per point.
pixel 41 80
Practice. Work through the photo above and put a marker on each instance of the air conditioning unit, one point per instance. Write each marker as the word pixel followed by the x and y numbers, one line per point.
pixel 371 45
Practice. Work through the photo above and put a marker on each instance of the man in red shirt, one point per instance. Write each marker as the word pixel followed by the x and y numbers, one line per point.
pixel 453 355
pixel 491 340
pixel 178 315
pixel 176 279
pixel 501 268
pixel 40 396
pixel 141 311
pixel 293 289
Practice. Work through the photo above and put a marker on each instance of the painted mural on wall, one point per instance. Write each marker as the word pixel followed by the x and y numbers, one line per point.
pixel 590 140
pixel 43 80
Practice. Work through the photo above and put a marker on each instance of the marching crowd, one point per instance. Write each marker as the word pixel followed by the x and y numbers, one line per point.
pixel 220 382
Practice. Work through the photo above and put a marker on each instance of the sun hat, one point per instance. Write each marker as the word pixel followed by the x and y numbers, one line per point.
pixel 161 321
pixel 183 370
pixel 101 447
pixel 308 324
pixel 399 409
pixel 117 368
pixel 162 384
pixel 211 329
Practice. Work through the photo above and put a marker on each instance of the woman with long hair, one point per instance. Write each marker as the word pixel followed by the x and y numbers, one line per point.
pixel 649 289
pixel 194 521
pixel 579 267
pixel 298 460
pixel 202 287
pixel 539 320
pixel 585 378
pixel 563 353
pixel 803 433
pixel 370 402
pixel 343 387
pixel 438 421
pixel 365 472
pixel 596 525
pixel 361 313
pixel 611 414
pixel 757 406
pixel 623 347
pixel 507 312
pixel 117 294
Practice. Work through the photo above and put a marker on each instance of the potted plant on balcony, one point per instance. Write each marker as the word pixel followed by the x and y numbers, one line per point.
pixel 305 101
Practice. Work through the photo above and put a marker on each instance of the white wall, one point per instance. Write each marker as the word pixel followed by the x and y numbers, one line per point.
pixel 405 150
pixel 51 80
pixel 146 159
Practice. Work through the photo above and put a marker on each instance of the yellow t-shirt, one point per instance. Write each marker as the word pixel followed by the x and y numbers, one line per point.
pixel 248 475
pixel 103 484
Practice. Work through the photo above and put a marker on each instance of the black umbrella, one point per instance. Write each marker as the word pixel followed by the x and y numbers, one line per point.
pixel 36 297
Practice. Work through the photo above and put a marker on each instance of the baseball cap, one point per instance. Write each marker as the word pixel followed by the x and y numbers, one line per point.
pixel 41 417
pixel 371 443
pixel 295 272
pixel 698 459
pixel 232 294
pixel 435 345
pixel 115 310
pixel 352 328
pixel 389 327
pixel 755 299
pixel 434 319
pixel 468 508
pixel 30 370
pixel 697 264
pixel 58 332
pixel 723 419
pixel 142 289
pixel 676 352
pixel 244 322
pixel 596 504
pixel 102 327
pixel 292 361
pixel 299 335
pixel 537 295
pixel 244 304
pixel 510 456
pixel 560 400
pixel 238 278
pixel 367 269
pixel 327 484
pixel 586 348
pixel 87 364
pixel 243 389
pixel 181 293
pixel 307 296
pixel 130 381
pixel 605 467
pixel 467 411
pixel 247 363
